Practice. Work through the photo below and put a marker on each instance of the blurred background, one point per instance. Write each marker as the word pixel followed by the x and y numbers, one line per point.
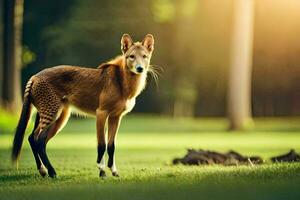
pixel 219 58
pixel 230 80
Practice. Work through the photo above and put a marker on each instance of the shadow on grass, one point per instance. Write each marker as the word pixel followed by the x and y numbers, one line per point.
pixel 269 182
pixel 14 177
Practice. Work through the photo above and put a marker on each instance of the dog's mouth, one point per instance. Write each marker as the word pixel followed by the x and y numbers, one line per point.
pixel 137 72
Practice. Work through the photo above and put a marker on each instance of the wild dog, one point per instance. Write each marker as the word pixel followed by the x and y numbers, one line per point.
pixel 108 92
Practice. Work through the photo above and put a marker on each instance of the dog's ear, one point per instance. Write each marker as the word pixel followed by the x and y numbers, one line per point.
pixel 126 42
pixel 148 42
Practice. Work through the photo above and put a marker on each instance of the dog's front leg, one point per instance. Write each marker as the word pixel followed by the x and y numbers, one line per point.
pixel 101 141
pixel 113 126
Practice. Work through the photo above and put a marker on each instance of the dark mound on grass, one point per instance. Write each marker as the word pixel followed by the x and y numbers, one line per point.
pixel 291 156
pixel 202 157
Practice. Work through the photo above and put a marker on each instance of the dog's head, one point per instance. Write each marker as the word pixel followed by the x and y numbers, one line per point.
pixel 137 54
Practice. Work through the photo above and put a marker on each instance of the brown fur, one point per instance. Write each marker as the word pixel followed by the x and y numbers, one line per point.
pixel 107 88
pixel 107 92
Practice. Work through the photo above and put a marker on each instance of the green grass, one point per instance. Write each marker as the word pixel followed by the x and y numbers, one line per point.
pixel 7 121
pixel 145 149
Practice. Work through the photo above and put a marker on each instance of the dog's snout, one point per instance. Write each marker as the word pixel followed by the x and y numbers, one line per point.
pixel 139 68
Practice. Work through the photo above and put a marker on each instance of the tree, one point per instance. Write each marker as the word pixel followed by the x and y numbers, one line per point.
pixel 1 51
pixel 12 50
pixel 239 88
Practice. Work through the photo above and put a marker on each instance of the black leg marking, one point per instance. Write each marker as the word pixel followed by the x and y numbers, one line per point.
pixel 102 174
pixel 110 163
pixel 101 150
pixel 34 151
pixel 110 151
pixel 34 147
pixel 115 174
pixel 33 143
pixel 41 142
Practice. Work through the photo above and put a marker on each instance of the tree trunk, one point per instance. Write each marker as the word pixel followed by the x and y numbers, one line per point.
pixel 13 18
pixel 239 88
pixel 1 50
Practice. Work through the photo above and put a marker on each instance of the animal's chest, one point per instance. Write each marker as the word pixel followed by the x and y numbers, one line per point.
pixel 128 105
pixel 124 106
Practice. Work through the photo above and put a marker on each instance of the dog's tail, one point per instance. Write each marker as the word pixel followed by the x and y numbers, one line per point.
pixel 22 124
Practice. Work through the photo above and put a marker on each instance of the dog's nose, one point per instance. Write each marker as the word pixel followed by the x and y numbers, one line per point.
pixel 139 68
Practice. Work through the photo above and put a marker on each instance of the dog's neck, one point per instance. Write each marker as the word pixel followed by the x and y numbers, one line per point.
pixel 132 84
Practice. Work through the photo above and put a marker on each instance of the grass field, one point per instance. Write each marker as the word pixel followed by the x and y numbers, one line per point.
pixel 145 149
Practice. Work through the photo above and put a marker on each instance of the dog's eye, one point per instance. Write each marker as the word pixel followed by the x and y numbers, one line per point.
pixel 145 56
pixel 132 56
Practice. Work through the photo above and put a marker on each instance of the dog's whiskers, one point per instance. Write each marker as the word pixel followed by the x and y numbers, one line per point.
pixel 155 70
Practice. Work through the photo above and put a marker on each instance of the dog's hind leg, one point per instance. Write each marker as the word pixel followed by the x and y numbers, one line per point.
pixel 47 134
pixel 59 123
pixel 34 147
